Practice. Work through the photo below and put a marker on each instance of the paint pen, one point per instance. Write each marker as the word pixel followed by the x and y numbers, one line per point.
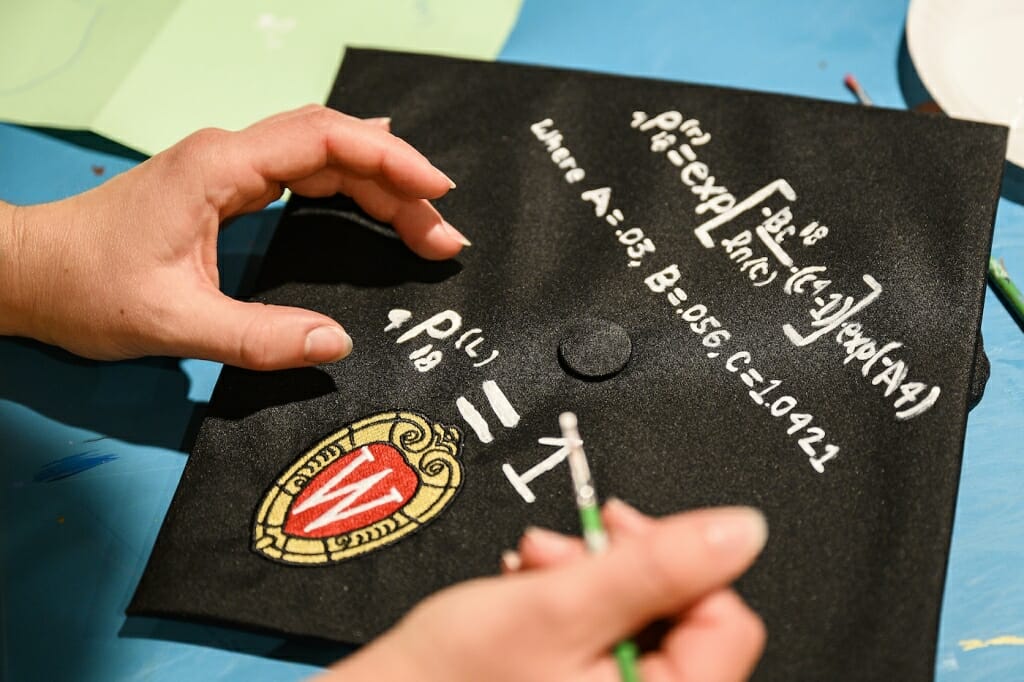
pixel 855 87
pixel 1000 280
pixel 594 535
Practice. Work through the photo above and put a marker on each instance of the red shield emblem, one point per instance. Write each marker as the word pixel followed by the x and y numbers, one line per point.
pixel 358 489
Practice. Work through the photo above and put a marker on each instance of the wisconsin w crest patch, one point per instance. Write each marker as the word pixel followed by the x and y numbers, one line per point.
pixel 363 487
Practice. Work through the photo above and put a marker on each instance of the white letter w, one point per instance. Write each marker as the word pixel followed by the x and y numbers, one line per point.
pixel 348 494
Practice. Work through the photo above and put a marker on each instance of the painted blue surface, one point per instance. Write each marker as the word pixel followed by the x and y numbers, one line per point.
pixel 72 550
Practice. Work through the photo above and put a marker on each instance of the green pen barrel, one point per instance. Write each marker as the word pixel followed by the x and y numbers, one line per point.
pixel 590 522
pixel 626 652
pixel 1005 287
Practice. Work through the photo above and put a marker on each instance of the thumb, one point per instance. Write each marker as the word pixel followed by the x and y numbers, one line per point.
pixel 260 336
pixel 658 573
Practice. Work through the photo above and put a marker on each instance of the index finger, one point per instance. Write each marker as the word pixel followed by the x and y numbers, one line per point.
pixel 296 145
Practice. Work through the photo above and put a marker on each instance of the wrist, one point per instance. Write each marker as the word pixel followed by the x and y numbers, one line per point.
pixel 23 268
pixel 11 230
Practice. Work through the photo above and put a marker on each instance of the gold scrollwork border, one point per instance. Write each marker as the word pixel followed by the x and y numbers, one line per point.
pixel 431 450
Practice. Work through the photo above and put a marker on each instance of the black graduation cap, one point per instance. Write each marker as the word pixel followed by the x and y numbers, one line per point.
pixel 747 298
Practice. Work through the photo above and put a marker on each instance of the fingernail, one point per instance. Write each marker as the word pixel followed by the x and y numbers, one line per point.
pixel 737 529
pixel 327 344
pixel 626 516
pixel 382 121
pixel 455 233
pixel 511 561
pixel 451 183
pixel 547 541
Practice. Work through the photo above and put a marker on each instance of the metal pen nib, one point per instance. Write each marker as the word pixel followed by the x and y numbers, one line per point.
pixel 578 467
pixel 583 484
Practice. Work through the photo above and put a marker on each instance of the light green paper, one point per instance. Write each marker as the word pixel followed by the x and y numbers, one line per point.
pixel 61 60
pixel 148 72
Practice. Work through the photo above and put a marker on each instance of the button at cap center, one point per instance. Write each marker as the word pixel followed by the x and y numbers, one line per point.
pixel 594 349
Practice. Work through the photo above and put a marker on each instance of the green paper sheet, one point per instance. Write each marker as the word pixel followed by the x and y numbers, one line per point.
pixel 148 73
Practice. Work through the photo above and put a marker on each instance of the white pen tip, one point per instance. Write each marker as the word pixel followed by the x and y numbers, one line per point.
pixel 567 421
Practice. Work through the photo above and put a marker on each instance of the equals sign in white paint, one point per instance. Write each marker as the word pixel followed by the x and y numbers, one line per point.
pixel 500 405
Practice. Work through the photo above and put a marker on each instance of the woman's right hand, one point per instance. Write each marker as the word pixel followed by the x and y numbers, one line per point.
pixel 558 615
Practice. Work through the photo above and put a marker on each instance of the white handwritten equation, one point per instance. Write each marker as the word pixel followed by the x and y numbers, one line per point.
pixel 759 234
pixel 440 327
pixel 446 328
pixel 832 313
pixel 714 338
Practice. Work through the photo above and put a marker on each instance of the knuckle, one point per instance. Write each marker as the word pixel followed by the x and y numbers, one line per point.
pixel 203 147
pixel 322 117
pixel 556 606
pixel 205 139
pixel 657 573
pixel 390 162
pixel 254 350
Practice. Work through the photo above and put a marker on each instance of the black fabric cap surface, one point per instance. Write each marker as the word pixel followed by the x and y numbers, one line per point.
pixel 832 394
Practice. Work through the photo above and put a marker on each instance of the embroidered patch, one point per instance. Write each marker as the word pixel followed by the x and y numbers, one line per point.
pixel 362 488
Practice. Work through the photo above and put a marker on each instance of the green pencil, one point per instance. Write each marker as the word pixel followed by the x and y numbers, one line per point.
pixel 1001 282
pixel 594 535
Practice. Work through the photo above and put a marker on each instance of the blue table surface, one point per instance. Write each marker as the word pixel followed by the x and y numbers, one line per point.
pixel 93 452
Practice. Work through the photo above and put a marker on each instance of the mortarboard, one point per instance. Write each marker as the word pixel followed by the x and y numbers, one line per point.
pixel 747 298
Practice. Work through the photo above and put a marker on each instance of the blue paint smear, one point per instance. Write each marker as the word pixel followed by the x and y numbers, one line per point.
pixel 71 465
